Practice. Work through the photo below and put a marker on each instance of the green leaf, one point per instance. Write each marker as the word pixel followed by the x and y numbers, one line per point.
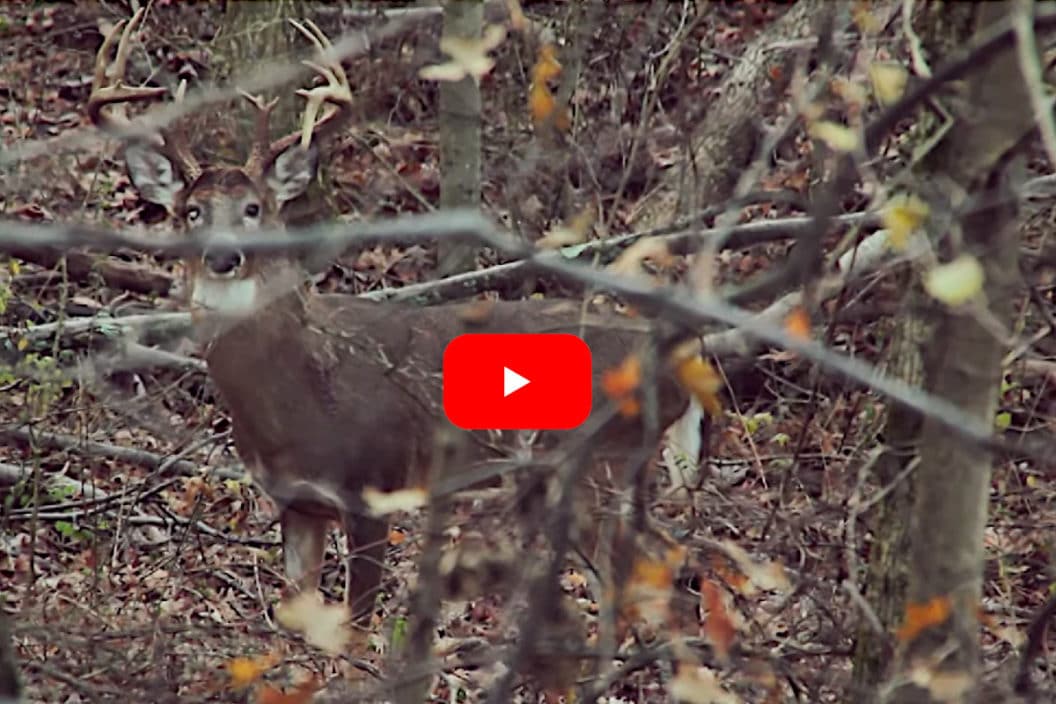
pixel 1003 420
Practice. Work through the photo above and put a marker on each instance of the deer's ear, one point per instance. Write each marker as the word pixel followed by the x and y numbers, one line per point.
pixel 153 174
pixel 290 173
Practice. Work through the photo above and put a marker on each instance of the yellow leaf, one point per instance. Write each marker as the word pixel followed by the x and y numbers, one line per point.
pixel 575 231
pixel 245 671
pixel 469 57
pixel 956 282
pixel 629 263
pixel 701 380
pixel 23 343
pixel 382 503
pixel 867 22
pixel 838 137
pixel 902 216
pixel 322 625
pixel 889 81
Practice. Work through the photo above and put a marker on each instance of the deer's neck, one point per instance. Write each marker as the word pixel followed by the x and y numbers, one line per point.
pixel 264 356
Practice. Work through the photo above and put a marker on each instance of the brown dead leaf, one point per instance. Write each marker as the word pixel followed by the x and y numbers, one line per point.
pixel 718 626
pixel 477 312
pixel 302 694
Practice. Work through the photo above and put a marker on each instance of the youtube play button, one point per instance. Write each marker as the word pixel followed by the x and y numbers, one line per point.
pixel 517 382
pixel 512 381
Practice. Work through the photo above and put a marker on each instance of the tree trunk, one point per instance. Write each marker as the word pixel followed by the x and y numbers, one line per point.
pixel 886 578
pixel 460 125
pixel 10 689
pixel 727 140
pixel 963 364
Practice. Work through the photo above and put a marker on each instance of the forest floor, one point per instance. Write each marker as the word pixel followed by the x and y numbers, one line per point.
pixel 155 567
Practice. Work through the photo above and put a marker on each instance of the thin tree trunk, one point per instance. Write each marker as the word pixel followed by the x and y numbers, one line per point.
pixel 460 125
pixel 887 574
pixel 963 364
pixel 10 689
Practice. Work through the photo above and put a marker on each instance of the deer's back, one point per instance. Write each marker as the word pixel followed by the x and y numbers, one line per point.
pixel 351 397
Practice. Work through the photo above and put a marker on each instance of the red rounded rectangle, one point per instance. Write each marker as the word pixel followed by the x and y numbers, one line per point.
pixel 517 381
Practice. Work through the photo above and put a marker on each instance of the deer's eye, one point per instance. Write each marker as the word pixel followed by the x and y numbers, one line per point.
pixel 193 215
pixel 252 210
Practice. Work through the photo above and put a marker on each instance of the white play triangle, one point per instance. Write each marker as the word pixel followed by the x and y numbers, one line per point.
pixel 512 381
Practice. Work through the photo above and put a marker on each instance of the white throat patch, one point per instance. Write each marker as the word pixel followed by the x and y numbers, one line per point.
pixel 228 297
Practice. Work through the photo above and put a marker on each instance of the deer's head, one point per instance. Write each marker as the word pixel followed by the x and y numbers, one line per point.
pixel 224 200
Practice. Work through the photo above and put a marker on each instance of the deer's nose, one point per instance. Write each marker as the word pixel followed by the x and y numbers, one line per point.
pixel 223 261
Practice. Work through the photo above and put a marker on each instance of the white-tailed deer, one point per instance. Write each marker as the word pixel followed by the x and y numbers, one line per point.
pixel 327 394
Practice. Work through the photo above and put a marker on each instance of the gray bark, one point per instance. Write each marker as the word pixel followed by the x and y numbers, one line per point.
pixel 460 127
pixel 963 364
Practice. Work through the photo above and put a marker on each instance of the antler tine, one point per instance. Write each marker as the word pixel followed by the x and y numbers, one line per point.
pixel 111 94
pixel 176 144
pixel 109 91
pixel 336 93
pixel 260 152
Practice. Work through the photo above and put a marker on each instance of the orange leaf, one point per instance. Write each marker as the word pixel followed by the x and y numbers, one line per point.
pixel 629 407
pixel 733 577
pixel 245 671
pixel 541 101
pixel 622 380
pixel 718 626
pixel 397 536
pixel 653 573
pixel 546 67
pixel 649 591
pixel 797 323
pixel 920 617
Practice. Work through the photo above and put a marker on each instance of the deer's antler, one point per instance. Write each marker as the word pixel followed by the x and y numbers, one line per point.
pixel 336 95
pixel 106 104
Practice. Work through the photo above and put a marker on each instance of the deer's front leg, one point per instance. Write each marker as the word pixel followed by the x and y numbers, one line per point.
pixel 303 547
pixel 367 538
